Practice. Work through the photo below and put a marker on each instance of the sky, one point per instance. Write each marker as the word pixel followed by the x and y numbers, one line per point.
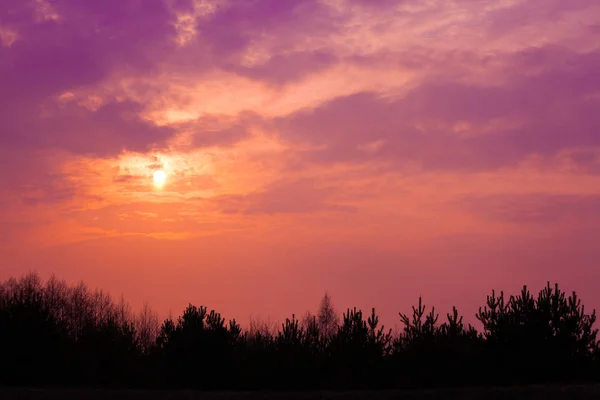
pixel 378 150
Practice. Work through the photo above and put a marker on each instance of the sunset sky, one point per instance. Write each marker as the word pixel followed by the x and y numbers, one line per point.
pixel 376 149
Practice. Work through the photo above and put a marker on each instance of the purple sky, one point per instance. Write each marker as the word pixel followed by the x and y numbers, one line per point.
pixel 375 149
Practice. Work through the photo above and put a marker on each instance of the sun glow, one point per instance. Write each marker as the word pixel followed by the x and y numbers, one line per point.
pixel 159 178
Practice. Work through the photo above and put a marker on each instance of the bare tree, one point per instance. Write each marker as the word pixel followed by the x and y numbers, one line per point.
pixel 79 309
pixel 56 297
pixel 261 327
pixel 123 313
pixel 327 317
pixel 308 319
pixel 147 327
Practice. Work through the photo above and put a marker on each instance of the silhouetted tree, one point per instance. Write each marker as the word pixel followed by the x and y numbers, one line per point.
pixel 349 349
pixel 199 335
pixel 57 334
pixel 327 317
pixel 551 336
pixel 147 328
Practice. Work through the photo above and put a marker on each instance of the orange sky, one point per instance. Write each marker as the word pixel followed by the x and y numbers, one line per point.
pixel 376 149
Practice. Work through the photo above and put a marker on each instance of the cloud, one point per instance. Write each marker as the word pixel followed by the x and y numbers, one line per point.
pixel 225 131
pixel 8 36
pixel 450 131
pixel 534 209
pixel 450 125
pixel 284 197
pixel 108 130
pixel 67 45
pixel 281 57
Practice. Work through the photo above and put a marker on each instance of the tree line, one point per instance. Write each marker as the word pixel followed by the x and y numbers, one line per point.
pixel 55 334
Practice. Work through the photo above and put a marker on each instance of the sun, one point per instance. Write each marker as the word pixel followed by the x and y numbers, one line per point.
pixel 159 178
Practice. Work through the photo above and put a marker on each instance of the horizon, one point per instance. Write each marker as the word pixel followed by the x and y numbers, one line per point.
pixel 274 325
pixel 255 155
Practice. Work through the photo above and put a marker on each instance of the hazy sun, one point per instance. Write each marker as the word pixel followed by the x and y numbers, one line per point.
pixel 159 178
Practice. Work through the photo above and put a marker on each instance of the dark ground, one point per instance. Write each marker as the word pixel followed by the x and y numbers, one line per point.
pixel 532 392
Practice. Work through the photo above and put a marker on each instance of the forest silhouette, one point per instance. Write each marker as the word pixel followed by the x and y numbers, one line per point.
pixel 57 335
